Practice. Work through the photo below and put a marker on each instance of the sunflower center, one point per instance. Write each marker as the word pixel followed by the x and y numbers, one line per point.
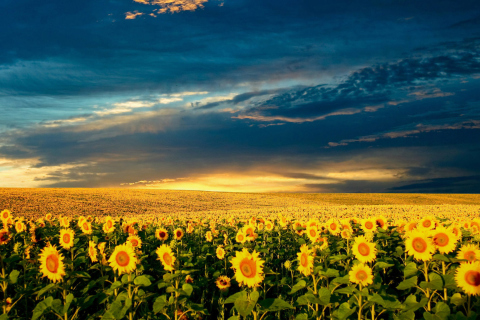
pixel 427 223
pixel 52 263
pixel 362 275
pixel 304 259
pixel 473 278
pixel 66 238
pixel 380 223
pixel 223 282
pixel 369 225
pixel 441 239
pixel 470 256
pixel 85 225
pixel 167 258
pixel 134 242
pixel 363 249
pixel 162 234
pixel 419 245
pixel 248 268
pixel 122 259
pixel 179 234
pixel 109 224
pixel 240 237
pixel 313 233
pixel 333 226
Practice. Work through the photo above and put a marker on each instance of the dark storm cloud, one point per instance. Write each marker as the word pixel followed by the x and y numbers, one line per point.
pixel 467 184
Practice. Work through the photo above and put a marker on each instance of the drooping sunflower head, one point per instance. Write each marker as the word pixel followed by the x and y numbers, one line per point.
pixel 467 277
pixel 361 274
pixel 444 239
pixel 305 259
pixel 66 238
pixel 51 263
pixel 364 250
pixel 134 241
pixel 223 283
pixel 123 259
pixel 469 252
pixel 178 234
pixel 92 251
pixel 248 268
pixel 165 255
pixel 220 252
pixel 161 234
pixel 419 245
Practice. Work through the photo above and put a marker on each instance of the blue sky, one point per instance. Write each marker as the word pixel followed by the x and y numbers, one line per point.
pixel 251 96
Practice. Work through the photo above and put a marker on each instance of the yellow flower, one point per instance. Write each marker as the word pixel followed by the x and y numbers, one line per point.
pixel 178 234
pixel 86 227
pixel 323 241
pixel 66 238
pixel 312 233
pixel 209 236
pixel 468 277
pixel 469 252
pixel 190 228
pixel 248 268
pixel 92 251
pixel 20 226
pixel 305 258
pixel 109 225
pixel 161 234
pixel 444 239
pixel 427 223
pixel 220 252
pixel 333 227
pixel 362 274
pixel 6 214
pixel 64 222
pixel 419 245
pixel 269 225
pixel 364 250
pixel 381 222
pixel 165 255
pixel 240 237
pixel 4 236
pixel 346 234
pixel 223 283
pixel 249 231
pixel 369 225
pixel 123 259
pixel 134 241
pixel 51 263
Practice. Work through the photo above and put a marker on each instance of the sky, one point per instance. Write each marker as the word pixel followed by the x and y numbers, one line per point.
pixel 241 95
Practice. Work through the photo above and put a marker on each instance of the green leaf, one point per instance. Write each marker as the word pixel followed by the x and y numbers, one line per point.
pixel 14 276
pixel 441 257
pixel 44 289
pixel 115 285
pixel 159 303
pixel 442 310
pixel 187 288
pixel 41 307
pixel 435 283
pixel 458 300
pixel 57 306
pixel 410 270
pixel 338 257
pixel 383 265
pixel 302 316
pixel 344 311
pixel 274 305
pixel 245 305
pixel 330 273
pixel 412 304
pixel 68 301
pixel 449 281
pixel 399 251
pixel 298 286
pixel 235 296
pixel 342 280
pixel 408 315
pixel 324 295
pixel 307 298
pixel 4 316
pixel 376 298
pixel 346 290
pixel 407 284
pixel 142 281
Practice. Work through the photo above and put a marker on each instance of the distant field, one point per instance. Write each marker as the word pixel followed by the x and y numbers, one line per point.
pixel 118 202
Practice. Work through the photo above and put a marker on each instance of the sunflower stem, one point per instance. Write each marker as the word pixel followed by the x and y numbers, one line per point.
pixel 426 279
pixel 130 294
pixel 360 304
pixel 445 296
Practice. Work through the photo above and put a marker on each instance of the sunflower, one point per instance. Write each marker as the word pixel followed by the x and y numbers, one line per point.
pixel 161 234
pixel 240 237
pixel 468 277
pixel 178 234
pixel 64 222
pixel 419 245
pixel 220 252
pixel 20 226
pixel 66 238
pixel 92 251
pixel 223 283
pixel 455 229
pixel 6 214
pixel 427 223
pixel 248 268
pixel 165 255
pixel 346 234
pixel 188 279
pixel 362 274
pixel 444 239
pixel 190 228
pixel 86 227
pixel 123 259
pixel 209 236
pixel 323 243
pixel 51 263
pixel 134 241
pixel 109 225
pixel 268 225
pixel 249 231
pixel 312 233
pixel 364 250
pixel 305 258
pixel 369 225
pixel 412 225
pixel 333 227
pixel 4 236
pixel 469 252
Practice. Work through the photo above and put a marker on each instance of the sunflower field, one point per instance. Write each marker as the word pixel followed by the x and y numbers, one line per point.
pixel 241 266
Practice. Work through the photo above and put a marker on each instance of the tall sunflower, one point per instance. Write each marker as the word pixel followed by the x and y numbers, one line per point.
pixel 467 277
pixel 161 234
pixel 305 258
pixel 165 255
pixel 66 238
pixel 444 239
pixel 364 250
pixel 362 274
pixel 123 259
pixel 51 263
pixel 419 245
pixel 248 268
